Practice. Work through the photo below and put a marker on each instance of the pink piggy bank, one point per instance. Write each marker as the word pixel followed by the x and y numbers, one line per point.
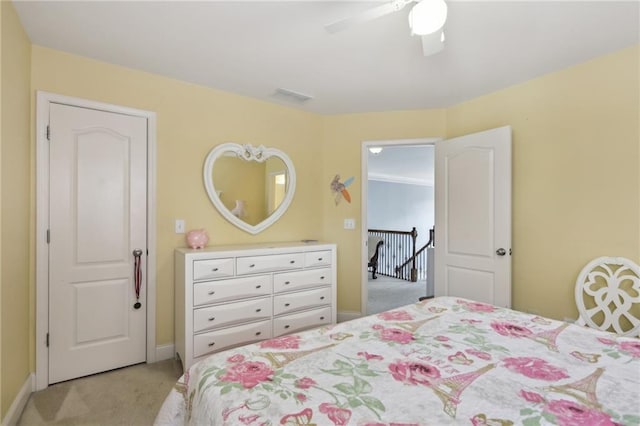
pixel 197 238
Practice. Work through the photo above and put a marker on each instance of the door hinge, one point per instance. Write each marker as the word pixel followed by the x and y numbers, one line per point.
pixel 48 133
pixel 48 236
pixel 47 339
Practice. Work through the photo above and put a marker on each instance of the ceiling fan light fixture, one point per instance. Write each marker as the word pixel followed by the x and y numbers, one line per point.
pixel 427 17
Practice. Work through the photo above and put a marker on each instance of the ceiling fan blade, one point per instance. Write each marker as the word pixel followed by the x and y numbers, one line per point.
pixel 433 43
pixel 367 15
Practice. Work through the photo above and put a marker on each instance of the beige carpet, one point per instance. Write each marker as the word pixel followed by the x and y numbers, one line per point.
pixel 127 396
pixel 386 293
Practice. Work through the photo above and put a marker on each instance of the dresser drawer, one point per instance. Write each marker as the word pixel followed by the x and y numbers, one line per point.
pixel 212 268
pixel 301 279
pixel 221 291
pixel 270 263
pixel 243 334
pixel 296 322
pixel 290 302
pixel 231 313
pixel 317 258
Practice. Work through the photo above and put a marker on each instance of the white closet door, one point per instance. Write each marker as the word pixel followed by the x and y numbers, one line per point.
pixel 97 218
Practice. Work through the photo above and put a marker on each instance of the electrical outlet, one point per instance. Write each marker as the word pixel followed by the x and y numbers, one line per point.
pixel 179 226
pixel 349 223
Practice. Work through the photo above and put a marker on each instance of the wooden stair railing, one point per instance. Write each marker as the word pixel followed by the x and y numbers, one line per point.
pixel 399 246
pixel 419 258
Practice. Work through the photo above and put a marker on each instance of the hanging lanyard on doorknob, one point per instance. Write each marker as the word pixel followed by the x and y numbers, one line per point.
pixel 137 275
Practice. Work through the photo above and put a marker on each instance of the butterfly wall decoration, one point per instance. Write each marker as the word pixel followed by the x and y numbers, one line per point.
pixel 339 189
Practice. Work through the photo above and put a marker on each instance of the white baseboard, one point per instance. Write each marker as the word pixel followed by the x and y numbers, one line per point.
pixel 348 315
pixel 15 411
pixel 165 352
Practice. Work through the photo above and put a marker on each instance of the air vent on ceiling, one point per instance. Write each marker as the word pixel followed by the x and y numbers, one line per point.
pixel 291 96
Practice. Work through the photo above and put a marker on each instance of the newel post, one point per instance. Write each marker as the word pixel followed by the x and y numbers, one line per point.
pixel 414 270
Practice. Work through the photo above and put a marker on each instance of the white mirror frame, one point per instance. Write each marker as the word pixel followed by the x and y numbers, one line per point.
pixel 248 152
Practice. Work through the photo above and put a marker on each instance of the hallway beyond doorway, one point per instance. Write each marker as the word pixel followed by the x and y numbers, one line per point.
pixel 386 293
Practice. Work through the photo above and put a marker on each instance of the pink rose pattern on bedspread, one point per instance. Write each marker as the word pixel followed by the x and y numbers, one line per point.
pixel 441 361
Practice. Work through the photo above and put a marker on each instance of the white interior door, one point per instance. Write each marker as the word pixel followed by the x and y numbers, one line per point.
pixel 97 218
pixel 473 217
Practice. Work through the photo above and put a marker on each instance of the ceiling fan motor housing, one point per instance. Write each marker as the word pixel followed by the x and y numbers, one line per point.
pixel 427 16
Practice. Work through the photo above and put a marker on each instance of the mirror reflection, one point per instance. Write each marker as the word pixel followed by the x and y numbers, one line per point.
pixel 250 190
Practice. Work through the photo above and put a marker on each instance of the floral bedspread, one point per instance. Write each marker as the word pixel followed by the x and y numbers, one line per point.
pixel 441 361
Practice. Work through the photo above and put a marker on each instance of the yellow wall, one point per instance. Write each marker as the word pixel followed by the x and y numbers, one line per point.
pixel 190 121
pixel 16 212
pixel 1 91
pixel 576 178
pixel 342 143
pixel 576 193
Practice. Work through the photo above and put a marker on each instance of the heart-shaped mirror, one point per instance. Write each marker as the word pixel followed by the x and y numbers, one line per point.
pixel 250 187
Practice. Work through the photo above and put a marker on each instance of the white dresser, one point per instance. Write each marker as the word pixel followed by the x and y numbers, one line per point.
pixel 227 296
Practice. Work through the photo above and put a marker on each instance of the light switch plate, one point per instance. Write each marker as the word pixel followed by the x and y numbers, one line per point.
pixel 179 226
pixel 349 223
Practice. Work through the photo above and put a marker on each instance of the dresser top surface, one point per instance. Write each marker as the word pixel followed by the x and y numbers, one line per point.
pixel 301 246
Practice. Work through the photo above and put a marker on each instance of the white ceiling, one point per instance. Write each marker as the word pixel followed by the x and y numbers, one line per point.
pixel 409 164
pixel 252 48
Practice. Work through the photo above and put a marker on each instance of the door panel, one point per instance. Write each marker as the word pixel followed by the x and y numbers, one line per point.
pixel 473 217
pixel 459 279
pixel 102 157
pixel 97 218
pixel 101 313
pixel 470 182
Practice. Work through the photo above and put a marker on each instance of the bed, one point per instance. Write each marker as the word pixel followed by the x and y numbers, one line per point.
pixel 440 361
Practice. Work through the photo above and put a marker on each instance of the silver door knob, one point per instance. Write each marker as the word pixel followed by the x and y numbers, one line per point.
pixel 501 252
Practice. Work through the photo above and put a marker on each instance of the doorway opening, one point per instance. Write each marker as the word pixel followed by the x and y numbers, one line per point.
pixel 397 196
